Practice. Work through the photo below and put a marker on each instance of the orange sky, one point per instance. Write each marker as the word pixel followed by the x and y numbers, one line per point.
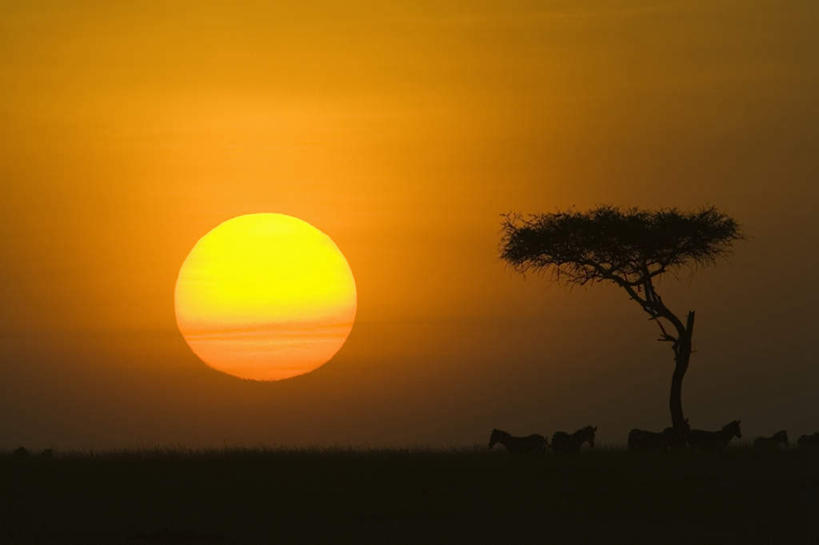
pixel 402 131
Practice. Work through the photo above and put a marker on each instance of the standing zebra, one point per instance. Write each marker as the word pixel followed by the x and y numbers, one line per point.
pixel 772 442
pixel 519 445
pixel 714 440
pixel 565 443
pixel 649 440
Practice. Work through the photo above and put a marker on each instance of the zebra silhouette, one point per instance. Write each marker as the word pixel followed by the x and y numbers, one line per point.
pixel 772 442
pixel 531 444
pixel 570 443
pixel 649 440
pixel 714 440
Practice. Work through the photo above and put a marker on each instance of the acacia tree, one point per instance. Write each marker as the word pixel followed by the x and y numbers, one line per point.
pixel 630 248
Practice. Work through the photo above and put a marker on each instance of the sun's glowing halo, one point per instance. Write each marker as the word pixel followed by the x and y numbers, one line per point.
pixel 265 297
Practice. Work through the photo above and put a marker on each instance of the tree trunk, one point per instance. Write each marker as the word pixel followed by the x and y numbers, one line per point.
pixel 682 355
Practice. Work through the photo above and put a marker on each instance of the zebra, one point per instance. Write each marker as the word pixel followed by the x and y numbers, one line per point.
pixel 519 445
pixel 772 442
pixel 811 440
pixel 565 443
pixel 649 440
pixel 714 440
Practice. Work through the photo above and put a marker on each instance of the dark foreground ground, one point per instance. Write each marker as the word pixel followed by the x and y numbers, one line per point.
pixel 469 496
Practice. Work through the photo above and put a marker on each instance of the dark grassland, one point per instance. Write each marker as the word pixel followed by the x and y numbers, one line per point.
pixel 398 496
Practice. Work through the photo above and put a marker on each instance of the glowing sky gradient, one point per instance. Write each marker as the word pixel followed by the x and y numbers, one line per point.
pixel 128 130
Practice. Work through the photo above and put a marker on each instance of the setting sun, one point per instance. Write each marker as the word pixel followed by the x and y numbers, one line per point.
pixel 265 297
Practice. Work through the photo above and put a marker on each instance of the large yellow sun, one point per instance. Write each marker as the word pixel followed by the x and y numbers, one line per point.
pixel 265 297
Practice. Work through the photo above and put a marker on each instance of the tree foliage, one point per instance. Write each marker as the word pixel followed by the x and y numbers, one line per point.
pixel 627 246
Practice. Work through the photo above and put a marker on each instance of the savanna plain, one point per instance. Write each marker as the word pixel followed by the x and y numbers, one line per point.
pixel 471 495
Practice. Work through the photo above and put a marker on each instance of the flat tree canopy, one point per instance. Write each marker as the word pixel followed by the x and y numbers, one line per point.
pixel 625 246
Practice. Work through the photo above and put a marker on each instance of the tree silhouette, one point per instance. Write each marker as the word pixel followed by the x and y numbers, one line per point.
pixel 629 248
